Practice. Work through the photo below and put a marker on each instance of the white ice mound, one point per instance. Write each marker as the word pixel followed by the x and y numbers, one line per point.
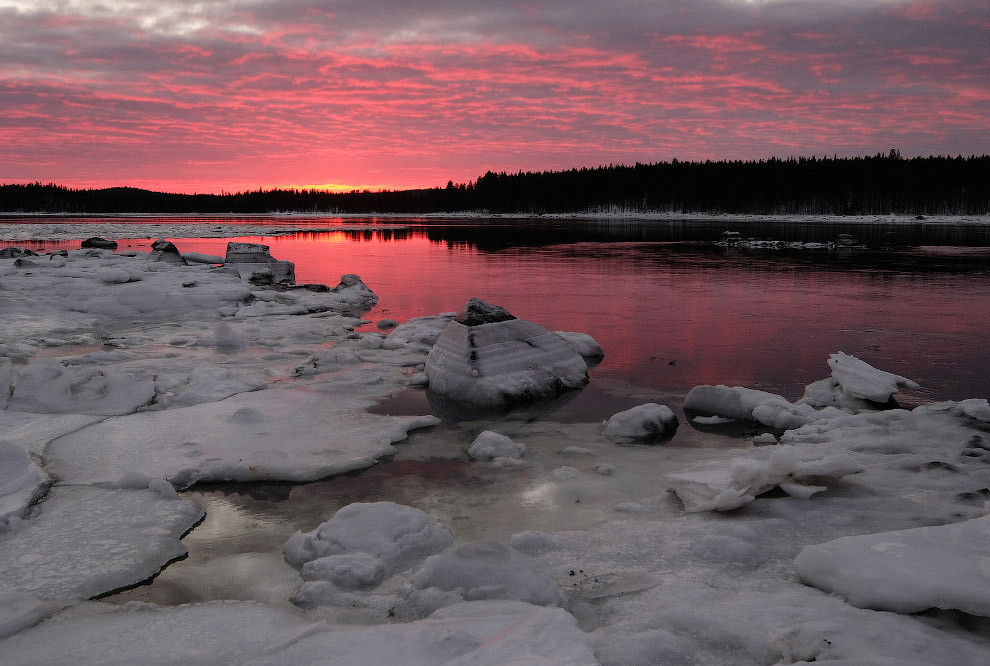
pixel 49 387
pixel 490 445
pixel 279 434
pixel 725 488
pixel 906 571
pixel 486 633
pixel 396 535
pixel 88 540
pixel 487 356
pixel 642 422
pixel 861 380
pixel 21 481
pixel 746 404
pixel 481 570
pixel 419 333
pixel 353 292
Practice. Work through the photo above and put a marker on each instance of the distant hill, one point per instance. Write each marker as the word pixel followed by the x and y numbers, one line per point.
pixel 879 184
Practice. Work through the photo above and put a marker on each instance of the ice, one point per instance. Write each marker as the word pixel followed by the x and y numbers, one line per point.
pixel 861 380
pixel 483 633
pixel 21 482
pixel 419 333
pixel 490 445
pixel 216 441
pixel 398 536
pixel 583 344
pixel 501 361
pixel 643 422
pixel 19 611
pixel 745 404
pixel 253 261
pixel 86 541
pixel 729 487
pixel 906 571
pixel 50 387
pixel 481 570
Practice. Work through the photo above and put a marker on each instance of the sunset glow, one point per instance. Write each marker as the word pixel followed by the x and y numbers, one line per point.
pixel 232 95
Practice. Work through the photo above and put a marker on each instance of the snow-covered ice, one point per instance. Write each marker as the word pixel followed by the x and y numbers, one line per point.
pixel 906 571
pixel 21 481
pixel 640 423
pixel 491 445
pixel 861 380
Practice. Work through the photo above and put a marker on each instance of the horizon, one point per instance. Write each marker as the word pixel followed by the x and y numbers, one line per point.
pixel 222 96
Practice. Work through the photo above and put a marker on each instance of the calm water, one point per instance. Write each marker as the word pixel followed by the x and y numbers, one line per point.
pixel 671 311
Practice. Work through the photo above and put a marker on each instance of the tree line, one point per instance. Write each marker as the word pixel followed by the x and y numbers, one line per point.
pixel 879 184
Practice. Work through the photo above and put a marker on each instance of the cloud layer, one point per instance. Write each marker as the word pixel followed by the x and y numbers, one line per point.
pixel 236 94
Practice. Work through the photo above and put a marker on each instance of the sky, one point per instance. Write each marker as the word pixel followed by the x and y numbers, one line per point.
pixel 235 95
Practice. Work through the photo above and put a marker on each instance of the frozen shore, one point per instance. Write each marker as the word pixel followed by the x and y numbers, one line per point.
pixel 124 380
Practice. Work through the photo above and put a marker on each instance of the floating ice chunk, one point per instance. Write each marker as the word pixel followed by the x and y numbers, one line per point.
pixel 481 570
pixel 734 402
pixel 977 408
pixel 21 481
pixel 419 334
pixel 496 359
pixel 566 473
pixel 490 445
pixel 861 380
pixel 906 571
pixel 86 541
pixel 98 242
pixel 199 258
pixel 643 422
pixel 49 387
pixel 482 633
pixel 350 571
pixel 583 344
pixel 725 488
pixel 765 438
pixel 399 536
pixel 211 442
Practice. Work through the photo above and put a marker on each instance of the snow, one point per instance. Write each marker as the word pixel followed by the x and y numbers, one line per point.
pixel 164 375
pixel 250 436
pixel 490 445
pixel 641 423
pixel 906 571
pixel 724 488
pixel 21 481
pixel 87 541
pixel 861 380
pixel 502 362
pixel 482 570
pixel 482 633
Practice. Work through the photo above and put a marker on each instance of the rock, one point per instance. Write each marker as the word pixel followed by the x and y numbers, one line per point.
pixel 99 243
pixel 16 251
pixel 163 250
pixel 254 262
pixel 477 312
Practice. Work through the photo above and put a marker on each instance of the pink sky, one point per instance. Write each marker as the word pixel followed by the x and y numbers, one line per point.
pixel 237 94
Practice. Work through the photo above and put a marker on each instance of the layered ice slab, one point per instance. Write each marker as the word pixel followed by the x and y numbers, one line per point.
pixel 487 356
pixel 484 633
pixel 87 541
pixel 280 434
pixel 906 571
pixel 254 262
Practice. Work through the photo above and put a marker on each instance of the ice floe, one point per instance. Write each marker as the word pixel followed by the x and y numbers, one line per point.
pixel 21 482
pixel 861 380
pixel 906 571
pixel 491 445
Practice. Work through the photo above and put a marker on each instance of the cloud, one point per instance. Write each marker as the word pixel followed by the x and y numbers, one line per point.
pixel 259 93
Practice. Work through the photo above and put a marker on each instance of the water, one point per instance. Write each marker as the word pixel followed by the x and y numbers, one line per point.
pixel 671 311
